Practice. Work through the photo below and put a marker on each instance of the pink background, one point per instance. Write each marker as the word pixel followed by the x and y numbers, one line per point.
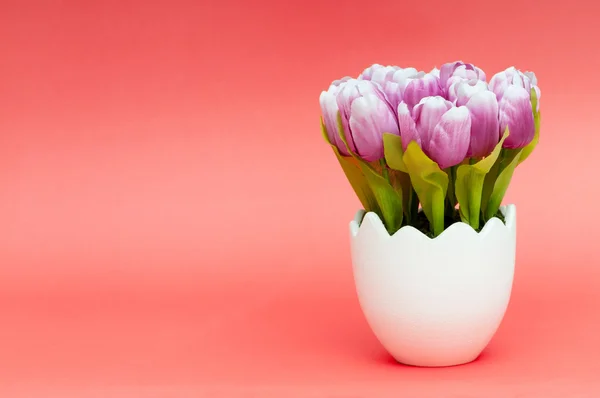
pixel 172 224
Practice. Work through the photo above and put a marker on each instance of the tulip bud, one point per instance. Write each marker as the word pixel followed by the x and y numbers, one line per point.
pixel 512 76
pixel 501 80
pixel 515 112
pixel 378 73
pixel 454 72
pixel 427 85
pixel 513 91
pixel 483 108
pixel 366 115
pixel 441 129
pixel 462 90
pixel 391 79
pixel 329 109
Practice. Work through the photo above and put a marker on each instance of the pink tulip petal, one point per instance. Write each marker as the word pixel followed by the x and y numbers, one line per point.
pixel 329 109
pixel 368 72
pixel 480 74
pixel 408 130
pixel 348 93
pixel 515 112
pixel 532 77
pixel 483 108
pixel 451 138
pixel 428 115
pixel 370 118
pixel 465 89
pixel 417 89
pixel 393 93
pixel 446 72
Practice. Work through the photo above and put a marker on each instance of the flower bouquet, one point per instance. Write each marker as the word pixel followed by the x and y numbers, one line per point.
pixel 430 157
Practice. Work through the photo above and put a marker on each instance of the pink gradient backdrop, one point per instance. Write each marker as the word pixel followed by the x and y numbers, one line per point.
pixel 171 223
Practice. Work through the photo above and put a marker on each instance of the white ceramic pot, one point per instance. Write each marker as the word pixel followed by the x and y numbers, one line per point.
pixel 434 302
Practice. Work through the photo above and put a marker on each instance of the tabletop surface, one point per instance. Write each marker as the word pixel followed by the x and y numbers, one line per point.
pixel 177 335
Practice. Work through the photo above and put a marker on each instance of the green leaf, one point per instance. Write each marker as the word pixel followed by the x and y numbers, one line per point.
pixel 392 146
pixel 341 134
pixel 451 195
pixel 430 183
pixel 536 138
pixel 509 161
pixel 375 192
pixel 389 200
pixel 469 185
pixel 358 181
pixel 488 186
pixel 401 182
pixel 354 175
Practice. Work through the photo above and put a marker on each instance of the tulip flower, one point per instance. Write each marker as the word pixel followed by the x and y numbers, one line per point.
pixel 474 85
pixel 379 73
pixel 440 128
pixel 513 91
pixel 329 109
pixel 528 80
pixel 454 72
pixel 392 80
pixel 483 108
pixel 427 85
pixel 365 113
pixel 510 76
pixel 515 112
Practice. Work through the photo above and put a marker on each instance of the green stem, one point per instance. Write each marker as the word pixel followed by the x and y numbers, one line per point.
pixel 474 200
pixel 450 195
pixel 414 204
pixel 453 183
pixel 502 160
pixel 384 171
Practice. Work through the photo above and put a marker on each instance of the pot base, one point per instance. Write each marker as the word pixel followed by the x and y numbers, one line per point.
pixel 436 364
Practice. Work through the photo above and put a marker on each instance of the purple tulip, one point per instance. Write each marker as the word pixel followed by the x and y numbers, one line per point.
pixel 512 76
pixel 426 85
pixel 515 112
pixel 467 88
pixel 329 109
pixel 392 80
pixel 366 115
pixel 454 72
pixel 483 108
pixel 440 128
pixel 513 91
pixel 379 73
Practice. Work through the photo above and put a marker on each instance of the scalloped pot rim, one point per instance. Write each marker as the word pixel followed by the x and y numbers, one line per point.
pixel 371 221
